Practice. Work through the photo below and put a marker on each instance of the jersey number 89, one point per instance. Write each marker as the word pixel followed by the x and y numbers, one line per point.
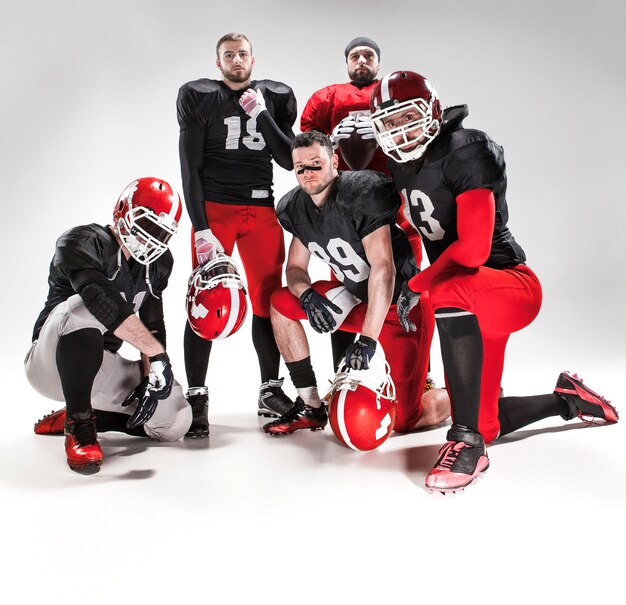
pixel 340 256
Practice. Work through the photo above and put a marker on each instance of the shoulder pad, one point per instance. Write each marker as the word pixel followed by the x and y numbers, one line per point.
pixel 272 86
pixel 84 247
pixel 284 201
pixel 201 86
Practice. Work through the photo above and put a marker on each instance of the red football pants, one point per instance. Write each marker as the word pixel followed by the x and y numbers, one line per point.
pixel 406 353
pixel 260 242
pixel 504 301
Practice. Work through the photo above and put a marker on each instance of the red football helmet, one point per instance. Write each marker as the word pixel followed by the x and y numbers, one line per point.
pixel 406 114
pixel 362 408
pixel 146 216
pixel 216 299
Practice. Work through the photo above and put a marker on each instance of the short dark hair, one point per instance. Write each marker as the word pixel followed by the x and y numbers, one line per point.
pixel 309 138
pixel 231 37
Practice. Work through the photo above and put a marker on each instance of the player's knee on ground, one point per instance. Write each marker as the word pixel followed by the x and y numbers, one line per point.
pixel 172 419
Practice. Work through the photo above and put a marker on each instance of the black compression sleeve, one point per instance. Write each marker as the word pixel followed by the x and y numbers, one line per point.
pixel 278 139
pixel 151 315
pixel 101 298
pixel 191 149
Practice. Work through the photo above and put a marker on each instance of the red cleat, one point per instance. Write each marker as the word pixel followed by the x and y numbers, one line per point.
pixel 462 460
pixel 81 444
pixel 51 424
pixel 583 402
pixel 299 417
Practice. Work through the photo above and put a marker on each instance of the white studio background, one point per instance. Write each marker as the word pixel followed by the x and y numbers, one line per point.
pixel 88 104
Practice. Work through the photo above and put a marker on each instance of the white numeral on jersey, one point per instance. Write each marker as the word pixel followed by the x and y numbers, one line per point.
pixel 136 301
pixel 427 225
pixel 342 259
pixel 254 140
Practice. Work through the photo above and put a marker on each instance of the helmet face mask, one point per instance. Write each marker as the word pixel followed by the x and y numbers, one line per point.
pixel 146 216
pixel 406 115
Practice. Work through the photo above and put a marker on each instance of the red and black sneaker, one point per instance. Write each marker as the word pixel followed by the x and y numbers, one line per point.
pixel 51 424
pixel 462 460
pixel 81 443
pixel 300 416
pixel 583 402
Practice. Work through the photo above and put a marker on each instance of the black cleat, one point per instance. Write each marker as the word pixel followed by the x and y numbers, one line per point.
pixel 273 402
pixel 582 401
pixel 198 398
pixel 299 417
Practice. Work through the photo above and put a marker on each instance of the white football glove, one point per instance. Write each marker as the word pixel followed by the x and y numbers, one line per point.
pixel 343 130
pixel 253 102
pixel 364 127
pixel 207 246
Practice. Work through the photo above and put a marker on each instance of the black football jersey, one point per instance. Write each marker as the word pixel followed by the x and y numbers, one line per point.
pixel 360 203
pixel 458 160
pixel 237 166
pixel 94 247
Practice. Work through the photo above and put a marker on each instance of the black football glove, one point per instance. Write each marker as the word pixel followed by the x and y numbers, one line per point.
pixel 154 387
pixel 317 311
pixel 359 353
pixel 406 301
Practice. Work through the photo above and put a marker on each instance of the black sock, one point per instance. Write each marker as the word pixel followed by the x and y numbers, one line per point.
pixel 197 353
pixel 301 373
pixel 340 341
pixel 116 421
pixel 266 348
pixel 79 357
pixel 516 412
pixel 462 354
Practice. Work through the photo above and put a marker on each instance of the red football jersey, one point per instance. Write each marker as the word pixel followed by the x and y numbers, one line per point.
pixel 328 106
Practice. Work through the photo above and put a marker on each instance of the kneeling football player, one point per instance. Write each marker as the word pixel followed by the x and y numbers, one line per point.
pixel 347 219
pixel 100 276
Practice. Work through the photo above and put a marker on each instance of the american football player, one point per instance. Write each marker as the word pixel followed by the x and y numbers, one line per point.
pixel 347 219
pixel 453 181
pixel 338 110
pixel 100 277
pixel 230 130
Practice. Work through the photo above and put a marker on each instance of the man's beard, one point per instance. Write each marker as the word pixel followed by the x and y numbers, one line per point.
pixel 317 188
pixel 237 77
pixel 366 76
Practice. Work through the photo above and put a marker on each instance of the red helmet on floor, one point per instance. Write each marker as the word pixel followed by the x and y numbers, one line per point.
pixel 146 216
pixel 362 408
pixel 216 299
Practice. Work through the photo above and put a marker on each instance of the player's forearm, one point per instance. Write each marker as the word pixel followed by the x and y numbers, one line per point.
pixel 278 142
pixel 379 293
pixel 475 221
pixel 132 331
pixel 298 280
pixel 191 148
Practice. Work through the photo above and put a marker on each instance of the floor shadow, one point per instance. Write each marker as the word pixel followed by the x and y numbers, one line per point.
pixel 526 433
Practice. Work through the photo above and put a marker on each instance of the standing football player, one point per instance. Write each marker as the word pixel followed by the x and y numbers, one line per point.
pixel 339 110
pixel 100 276
pixel 454 181
pixel 230 129
pixel 347 219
